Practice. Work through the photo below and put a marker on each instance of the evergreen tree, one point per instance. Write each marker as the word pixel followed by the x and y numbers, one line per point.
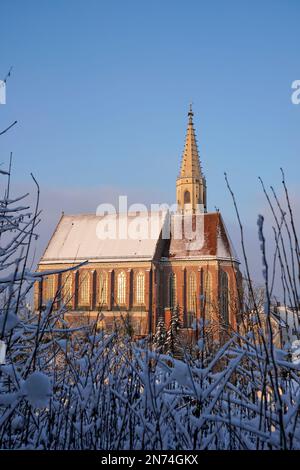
pixel 160 337
pixel 173 343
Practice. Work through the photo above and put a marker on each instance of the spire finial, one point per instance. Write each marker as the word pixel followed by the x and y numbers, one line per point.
pixel 190 113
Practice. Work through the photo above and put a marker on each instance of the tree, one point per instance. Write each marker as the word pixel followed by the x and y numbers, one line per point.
pixel 160 337
pixel 172 344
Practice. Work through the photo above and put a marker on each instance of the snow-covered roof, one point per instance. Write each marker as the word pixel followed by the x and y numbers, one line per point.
pixel 131 236
pixel 214 241
pixel 105 237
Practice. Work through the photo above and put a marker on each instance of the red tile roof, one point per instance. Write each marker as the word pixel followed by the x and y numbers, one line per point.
pixel 213 239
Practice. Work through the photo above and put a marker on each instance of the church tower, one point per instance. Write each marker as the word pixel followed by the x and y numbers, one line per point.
pixel 191 184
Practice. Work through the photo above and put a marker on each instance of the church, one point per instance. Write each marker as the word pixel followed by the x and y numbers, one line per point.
pixel 179 259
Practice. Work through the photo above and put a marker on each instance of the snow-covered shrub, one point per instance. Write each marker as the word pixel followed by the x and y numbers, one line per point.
pixel 64 387
pixel 108 392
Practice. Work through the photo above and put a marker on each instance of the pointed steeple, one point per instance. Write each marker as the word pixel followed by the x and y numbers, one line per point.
pixel 191 184
pixel 190 164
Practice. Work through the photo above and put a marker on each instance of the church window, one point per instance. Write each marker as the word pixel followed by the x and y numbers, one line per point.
pixel 173 290
pixel 187 197
pixel 84 286
pixel 207 298
pixel 192 298
pixel 102 288
pixel 121 288
pixel 140 288
pixel 67 288
pixel 49 288
pixel 224 294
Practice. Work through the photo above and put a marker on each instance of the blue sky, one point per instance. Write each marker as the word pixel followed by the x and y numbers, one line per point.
pixel 101 91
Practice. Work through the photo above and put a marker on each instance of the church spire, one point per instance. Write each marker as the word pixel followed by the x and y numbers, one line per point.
pixel 191 184
pixel 190 165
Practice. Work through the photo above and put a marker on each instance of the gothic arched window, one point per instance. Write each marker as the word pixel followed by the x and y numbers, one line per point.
pixel 84 288
pixel 192 292
pixel 224 296
pixel 121 288
pixel 67 288
pixel 187 197
pixel 140 288
pixel 157 287
pixel 191 298
pixel 207 291
pixel 49 288
pixel 102 288
pixel 172 290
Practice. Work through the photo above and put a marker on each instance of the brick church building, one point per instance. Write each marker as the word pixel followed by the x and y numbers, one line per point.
pixel 181 260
